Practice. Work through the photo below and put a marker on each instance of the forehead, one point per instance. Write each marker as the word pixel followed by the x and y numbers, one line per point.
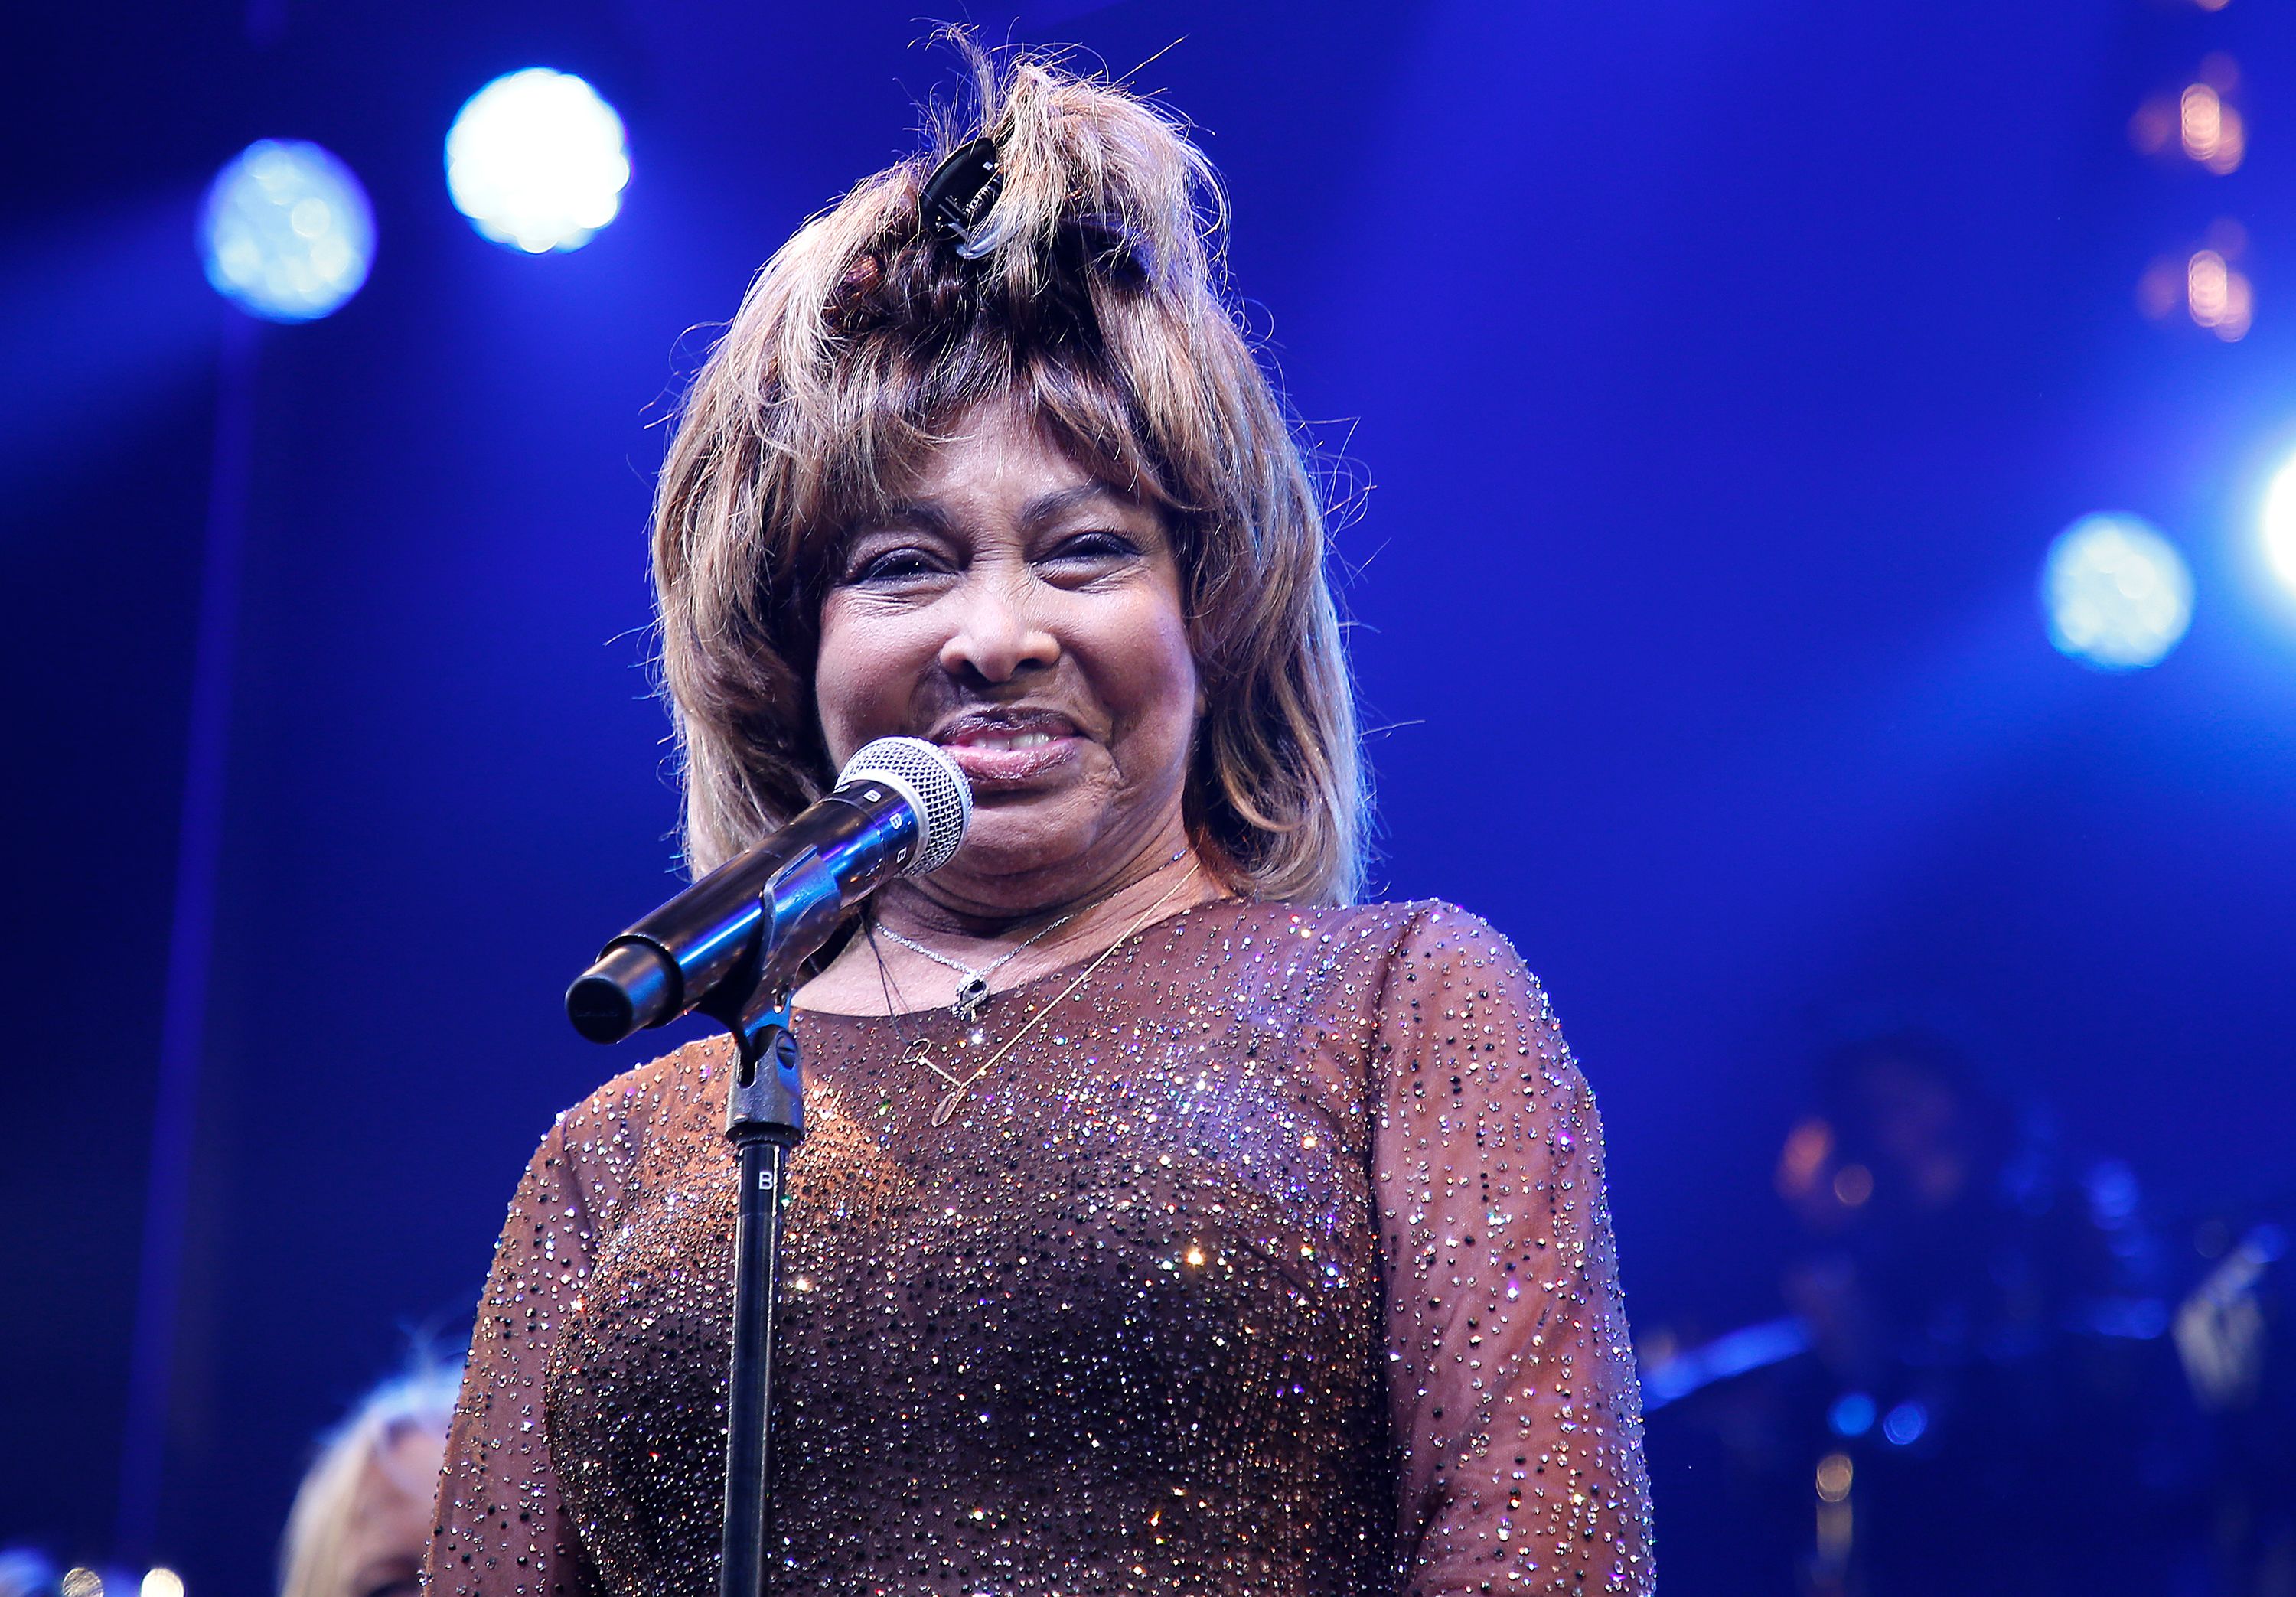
pixel 994 449
pixel 996 461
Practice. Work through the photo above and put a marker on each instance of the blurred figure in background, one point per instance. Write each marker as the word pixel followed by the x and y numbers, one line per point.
pixel 362 1517
pixel 1991 1319
pixel 1975 1388
pixel 2236 1333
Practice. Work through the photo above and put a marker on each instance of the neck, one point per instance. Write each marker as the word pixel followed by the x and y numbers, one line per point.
pixel 1150 883
pixel 948 908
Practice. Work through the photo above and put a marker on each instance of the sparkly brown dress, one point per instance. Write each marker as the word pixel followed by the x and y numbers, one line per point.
pixel 1276 1261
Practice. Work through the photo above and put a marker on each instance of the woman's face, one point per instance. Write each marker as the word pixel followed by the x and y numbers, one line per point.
pixel 1026 617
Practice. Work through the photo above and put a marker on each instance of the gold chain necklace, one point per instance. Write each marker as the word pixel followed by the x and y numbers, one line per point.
pixel 920 1051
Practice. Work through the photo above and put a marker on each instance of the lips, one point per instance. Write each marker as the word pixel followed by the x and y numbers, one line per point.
pixel 1008 747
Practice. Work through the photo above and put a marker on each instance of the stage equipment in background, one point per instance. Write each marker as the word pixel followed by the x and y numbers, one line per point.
pixel 286 232
pixel 2117 594
pixel 537 160
pixel 2280 524
pixel 733 945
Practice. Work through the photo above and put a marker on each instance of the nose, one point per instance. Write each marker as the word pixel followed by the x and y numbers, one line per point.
pixel 999 632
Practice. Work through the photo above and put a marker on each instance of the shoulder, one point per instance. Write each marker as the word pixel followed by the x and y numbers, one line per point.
pixel 1420 933
pixel 1389 925
pixel 1434 925
pixel 1410 950
pixel 597 1140
pixel 644 1092
pixel 1455 983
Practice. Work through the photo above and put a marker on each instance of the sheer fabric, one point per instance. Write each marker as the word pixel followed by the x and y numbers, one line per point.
pixel 1275 1260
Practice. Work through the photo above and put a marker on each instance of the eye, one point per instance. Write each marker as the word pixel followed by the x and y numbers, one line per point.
pixel 882 566
pixel 1099 548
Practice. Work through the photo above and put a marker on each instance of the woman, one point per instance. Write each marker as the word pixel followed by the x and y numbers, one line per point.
pixel 1164 1224
pixel 362 1515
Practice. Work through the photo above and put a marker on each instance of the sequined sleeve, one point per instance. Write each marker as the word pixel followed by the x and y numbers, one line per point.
pixel 502 1530
pixel 1516 1414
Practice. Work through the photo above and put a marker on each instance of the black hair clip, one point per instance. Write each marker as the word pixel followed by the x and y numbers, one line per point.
pixel 959 195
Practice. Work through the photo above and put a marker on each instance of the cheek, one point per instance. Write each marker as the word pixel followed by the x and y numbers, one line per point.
pixel 1149 675
pixel 861 675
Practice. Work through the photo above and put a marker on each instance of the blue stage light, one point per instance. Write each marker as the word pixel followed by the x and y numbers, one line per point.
pixel 1852 1414
pixel 2280 524
pixel 537 160
pixel 2118 595
pixel 1905 1423
pixel 286 232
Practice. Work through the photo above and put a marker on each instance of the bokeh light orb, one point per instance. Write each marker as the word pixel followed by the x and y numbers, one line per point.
pixel 2117 594
pixel 537 160
pixel 286 232
pixel 1905 1423
pixel 2280 524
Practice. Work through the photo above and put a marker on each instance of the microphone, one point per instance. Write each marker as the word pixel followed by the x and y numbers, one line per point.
pixel 900 805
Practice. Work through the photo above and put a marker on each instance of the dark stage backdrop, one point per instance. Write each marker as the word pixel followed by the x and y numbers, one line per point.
pixel 1710 379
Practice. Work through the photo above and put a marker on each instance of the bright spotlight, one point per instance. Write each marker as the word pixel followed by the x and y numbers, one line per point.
pixel 536 161
pixel 2280 524
pixel 162 1582
pixel 2117 593
pixel 286 232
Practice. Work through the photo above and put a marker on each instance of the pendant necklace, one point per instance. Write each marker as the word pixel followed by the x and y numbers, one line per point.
pixel 919 1051
pixel 973 992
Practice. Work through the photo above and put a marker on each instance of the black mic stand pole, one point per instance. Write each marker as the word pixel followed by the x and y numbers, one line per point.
pixel 765 1120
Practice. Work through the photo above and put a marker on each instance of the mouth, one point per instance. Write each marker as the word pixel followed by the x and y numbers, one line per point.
pixel 1007 747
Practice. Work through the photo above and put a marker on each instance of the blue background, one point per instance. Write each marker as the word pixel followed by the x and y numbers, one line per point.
pixel 1719 375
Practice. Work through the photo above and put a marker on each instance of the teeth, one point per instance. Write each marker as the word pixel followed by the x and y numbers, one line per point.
pixel 1012 740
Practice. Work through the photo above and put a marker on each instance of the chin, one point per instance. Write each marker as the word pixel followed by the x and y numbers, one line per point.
pixel 1008 839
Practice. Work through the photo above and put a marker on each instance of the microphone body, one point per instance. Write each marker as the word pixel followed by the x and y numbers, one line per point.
pixel 900 805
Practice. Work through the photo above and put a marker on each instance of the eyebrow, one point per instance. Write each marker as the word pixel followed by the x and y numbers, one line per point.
pixel 926 516
pixel 1051 507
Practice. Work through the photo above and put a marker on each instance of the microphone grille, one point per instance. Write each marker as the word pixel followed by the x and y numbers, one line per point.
pixel 931 783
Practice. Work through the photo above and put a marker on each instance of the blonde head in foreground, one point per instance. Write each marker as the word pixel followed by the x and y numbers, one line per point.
pixel 363 1516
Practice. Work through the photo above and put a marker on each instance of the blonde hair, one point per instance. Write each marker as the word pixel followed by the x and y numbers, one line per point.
pixel 1097 307
pixel 312 1551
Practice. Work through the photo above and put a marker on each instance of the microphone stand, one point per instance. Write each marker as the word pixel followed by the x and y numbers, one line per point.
pixel 765 1120
pixel 745 948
